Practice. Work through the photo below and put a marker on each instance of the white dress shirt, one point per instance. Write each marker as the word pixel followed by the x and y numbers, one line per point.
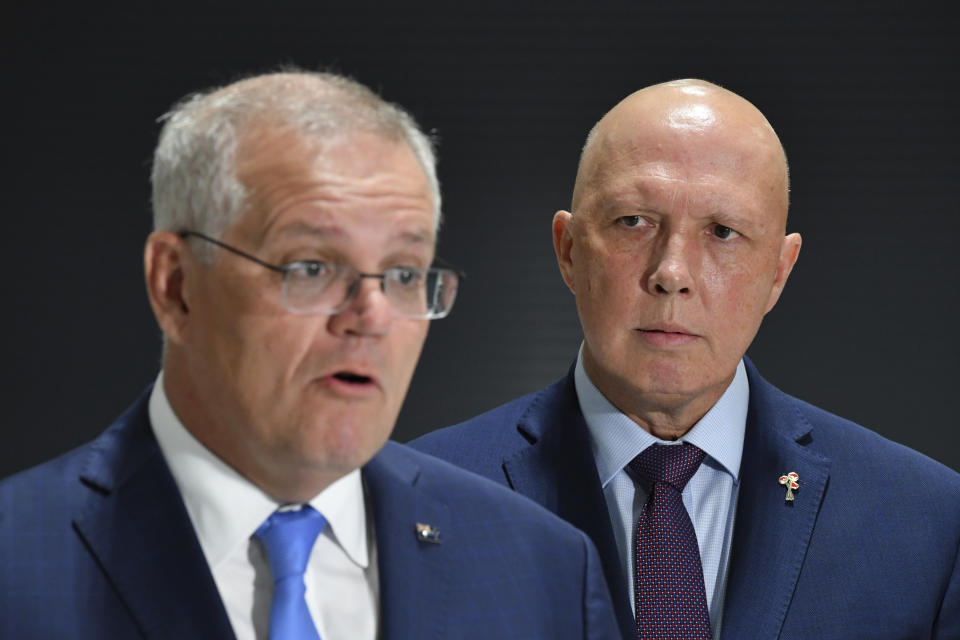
pixel 225 508
pixel 711 494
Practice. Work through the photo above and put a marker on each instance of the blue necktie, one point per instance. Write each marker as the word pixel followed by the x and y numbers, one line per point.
pixel 288 537
pixel 670 598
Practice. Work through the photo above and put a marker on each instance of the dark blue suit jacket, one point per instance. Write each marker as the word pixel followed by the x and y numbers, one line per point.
pixel 98 544
pixel 869 549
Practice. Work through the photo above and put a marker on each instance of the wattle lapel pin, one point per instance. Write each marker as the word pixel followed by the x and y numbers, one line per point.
pixel 426 533
pixel 791 481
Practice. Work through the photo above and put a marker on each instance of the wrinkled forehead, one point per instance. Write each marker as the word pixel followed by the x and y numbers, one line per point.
pixel 279 158
pixel 350 177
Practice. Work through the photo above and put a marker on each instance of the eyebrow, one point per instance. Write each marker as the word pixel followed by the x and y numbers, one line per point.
pixel 731 219
pixel 412 237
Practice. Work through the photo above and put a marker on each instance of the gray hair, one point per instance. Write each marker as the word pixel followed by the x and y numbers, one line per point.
pixel 195 186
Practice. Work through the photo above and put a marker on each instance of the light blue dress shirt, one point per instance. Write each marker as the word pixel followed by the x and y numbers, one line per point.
pixel 711 495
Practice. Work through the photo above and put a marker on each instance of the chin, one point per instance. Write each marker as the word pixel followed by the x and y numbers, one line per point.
pixel 346 444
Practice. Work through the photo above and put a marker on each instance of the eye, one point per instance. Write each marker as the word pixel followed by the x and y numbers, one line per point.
pixel 631 221
pixel 310 268
pixel 406 276
pixel 724 233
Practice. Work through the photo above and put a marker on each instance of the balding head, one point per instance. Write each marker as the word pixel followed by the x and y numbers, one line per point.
pixel 675 247
pixel 195 183
pixel 686 118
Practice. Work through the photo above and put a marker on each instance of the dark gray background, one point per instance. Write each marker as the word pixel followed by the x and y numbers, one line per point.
pixel 865 101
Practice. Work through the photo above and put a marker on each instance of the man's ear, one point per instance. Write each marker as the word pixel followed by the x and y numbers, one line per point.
pixel 563 245
pixel 789 250
pixel 164 259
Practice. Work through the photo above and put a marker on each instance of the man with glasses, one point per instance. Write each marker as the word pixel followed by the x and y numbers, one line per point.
pixel 251 491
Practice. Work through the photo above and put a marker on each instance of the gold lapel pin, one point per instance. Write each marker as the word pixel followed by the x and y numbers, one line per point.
pixel 791 482
pixel 426 533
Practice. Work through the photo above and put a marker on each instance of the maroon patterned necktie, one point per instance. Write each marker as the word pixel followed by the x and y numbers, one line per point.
pixel 669 597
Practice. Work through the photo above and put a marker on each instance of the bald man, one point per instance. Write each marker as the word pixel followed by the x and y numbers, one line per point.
pixel 719 504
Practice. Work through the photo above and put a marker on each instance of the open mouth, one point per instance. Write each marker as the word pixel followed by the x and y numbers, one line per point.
pixel 352 378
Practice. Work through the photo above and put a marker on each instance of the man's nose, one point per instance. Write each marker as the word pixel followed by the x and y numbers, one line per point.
pixel 672 268
pixel 368 312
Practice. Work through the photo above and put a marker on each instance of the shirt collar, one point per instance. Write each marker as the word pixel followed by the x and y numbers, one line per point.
pixel 616 439
pixel 226 508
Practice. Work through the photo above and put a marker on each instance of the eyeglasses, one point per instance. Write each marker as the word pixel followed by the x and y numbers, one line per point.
pixel 326 288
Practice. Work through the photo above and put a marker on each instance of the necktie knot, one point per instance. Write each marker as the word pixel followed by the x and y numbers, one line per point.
pixel 288 537
pixel 672 464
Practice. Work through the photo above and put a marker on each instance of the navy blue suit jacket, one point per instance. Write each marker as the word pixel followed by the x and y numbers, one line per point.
pixel 869 548
pixel 98 544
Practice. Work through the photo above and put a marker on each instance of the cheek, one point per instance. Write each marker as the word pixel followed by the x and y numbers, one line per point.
pixel 277 357
pixel 737 292
pixel 246 329
pixel 609 271
pixel 224 344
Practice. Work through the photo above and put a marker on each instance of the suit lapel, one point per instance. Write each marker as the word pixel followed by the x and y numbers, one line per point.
pixel 557 470
pixel 136 526
pixel 414 574
pixel 771 535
